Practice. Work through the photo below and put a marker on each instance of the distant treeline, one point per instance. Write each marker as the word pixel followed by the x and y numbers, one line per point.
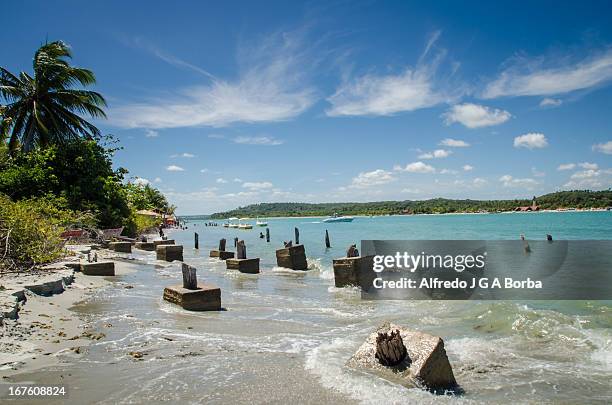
pixel 562 199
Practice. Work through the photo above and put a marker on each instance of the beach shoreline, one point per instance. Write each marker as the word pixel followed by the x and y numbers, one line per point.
pixel 40 327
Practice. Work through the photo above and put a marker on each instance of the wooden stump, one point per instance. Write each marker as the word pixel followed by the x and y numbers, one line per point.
pixel 267 234
pixel 241 250
pixel 297 236
pixel 196 240
pixel 327 244
pixel 222 243
pixel 390 349
pixel 190 280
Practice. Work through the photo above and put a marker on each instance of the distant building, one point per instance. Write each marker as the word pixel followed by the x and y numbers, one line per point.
pixel 533 207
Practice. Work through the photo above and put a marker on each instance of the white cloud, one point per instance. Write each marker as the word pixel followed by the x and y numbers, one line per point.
pixel 157 180
pixel 566 166
pixel 216 136
pixel 184 155
pixel 588 166
pixel 590 179
pixel 175 168
pixel 237 180
pixel 603 148
pixel 258 140
pixel 149 133
pixel 454 143
pixel 373 178
pixel 221 180
pixel 468 168
pixel 416 167
pixel 203 170
pixel 479 182
pixel 550 102
pixel 509 181
pixel 387 94
pixel 531 140
pixel 586 174
pixel 541 77
pixel 448 171
pixel 436 154
pixel 141 181
pixel 536 173
pixel 264 185
pixel 410 191
pixel 475 116
pixel 271 86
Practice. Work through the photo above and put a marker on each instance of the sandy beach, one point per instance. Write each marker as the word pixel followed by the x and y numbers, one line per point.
pixel 40 328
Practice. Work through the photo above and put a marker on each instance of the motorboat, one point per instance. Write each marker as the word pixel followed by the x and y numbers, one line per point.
pixel 261 223
pixel 338 218
pixel 244 225
pixel 232 222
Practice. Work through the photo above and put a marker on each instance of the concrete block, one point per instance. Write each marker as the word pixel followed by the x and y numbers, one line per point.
pixel 149 246
pixel 204 298
pixel 169 252
pixel 293 257
pixel 98 269
pixel 221 254
pixel 121 247
pixel 426 364
pixel 348 270
pixel 243 265
pixel 164 242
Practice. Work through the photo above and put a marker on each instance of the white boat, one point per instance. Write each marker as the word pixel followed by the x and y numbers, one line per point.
pixel 244 225
pixel 261 223
pixel 338 218
pixel 232 222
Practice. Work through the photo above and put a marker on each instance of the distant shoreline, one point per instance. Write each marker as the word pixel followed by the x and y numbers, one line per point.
pixel 206 217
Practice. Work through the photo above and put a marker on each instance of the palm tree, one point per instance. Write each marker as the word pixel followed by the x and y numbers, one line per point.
pixel 45 109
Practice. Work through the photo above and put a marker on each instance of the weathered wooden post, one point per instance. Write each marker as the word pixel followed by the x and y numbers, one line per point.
pixel 268 235
pixel 390 349
pixel 221 253
pixel 297 236
pixel 190 280
pixel 240 250
pixel 235 241
pixel 327 244
pixel 197 240
pixel 241 263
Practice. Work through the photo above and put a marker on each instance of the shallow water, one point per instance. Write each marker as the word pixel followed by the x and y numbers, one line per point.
pixel 286 335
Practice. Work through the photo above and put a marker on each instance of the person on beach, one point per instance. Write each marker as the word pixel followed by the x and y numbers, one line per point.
pixel 261 235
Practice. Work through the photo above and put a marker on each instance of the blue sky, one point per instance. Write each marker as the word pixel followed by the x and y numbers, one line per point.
pixel 222 105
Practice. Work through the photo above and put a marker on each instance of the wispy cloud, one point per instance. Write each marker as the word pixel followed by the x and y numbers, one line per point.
pixel 271 86
pixel 149 133
pixel 436 154
pixel 175 168
pixel 547 76
pixel 453 143
pixel 603 148
pixel 374 178
pixel 416 167
pixel 411 89
pixel 509 181
pixel 550 102
pixel 221 180
pixel 532 140
pixel 467 168
pixel 566 166
pixel 263 185
pixel 184 155
pixel 258 140
pixel 475 116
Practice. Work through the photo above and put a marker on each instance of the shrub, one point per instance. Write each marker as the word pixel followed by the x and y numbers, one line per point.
pixel 30 230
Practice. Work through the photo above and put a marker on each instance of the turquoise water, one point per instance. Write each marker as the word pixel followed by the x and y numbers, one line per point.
pixel 286 335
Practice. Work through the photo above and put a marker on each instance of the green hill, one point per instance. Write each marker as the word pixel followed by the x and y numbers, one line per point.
pixel 563 199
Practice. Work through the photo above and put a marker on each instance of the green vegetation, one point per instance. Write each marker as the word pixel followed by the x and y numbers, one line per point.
pixel 56 170
pixel 43 108
pixel 563 199
pixel 30 230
